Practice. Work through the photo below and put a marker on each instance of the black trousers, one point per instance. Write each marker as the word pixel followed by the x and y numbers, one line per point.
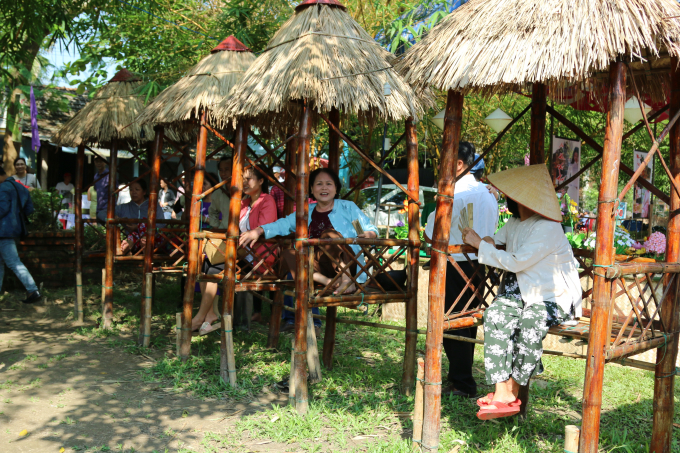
pixel 461 354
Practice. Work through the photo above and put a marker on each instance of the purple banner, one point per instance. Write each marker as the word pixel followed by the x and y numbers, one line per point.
pixel 35 138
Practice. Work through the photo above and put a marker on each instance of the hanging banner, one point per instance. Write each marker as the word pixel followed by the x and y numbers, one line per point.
pixel 642 195
pixel 566 162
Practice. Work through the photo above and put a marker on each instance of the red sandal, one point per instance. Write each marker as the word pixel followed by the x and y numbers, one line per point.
pixel 501 410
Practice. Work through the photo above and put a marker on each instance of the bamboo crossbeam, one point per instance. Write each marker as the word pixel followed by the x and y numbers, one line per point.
pixel 125 220
pixel 618 270
pixel 338 301
pixel 621 361
pixel 626 350
pixel 357 241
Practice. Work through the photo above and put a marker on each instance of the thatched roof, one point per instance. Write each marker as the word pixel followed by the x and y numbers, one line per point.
pixel 321 54
pixel 203 86
pixel 498 46
pixel 108 116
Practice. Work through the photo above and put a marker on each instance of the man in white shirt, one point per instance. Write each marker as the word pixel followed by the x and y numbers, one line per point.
pixel 65 187
pixel 485 218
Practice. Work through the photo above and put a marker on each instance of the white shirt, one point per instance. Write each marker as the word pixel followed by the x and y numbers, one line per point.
pixel 538 252
pixel 485 212
pixel 29 180
pixel 63 190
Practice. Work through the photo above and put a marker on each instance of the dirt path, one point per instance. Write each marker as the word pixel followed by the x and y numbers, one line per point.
pixel 73 392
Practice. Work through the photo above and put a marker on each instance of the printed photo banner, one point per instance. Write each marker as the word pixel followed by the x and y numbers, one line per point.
pixel 642 196
pixel 566 162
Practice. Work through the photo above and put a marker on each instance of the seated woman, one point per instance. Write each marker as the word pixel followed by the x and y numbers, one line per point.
pixel 137 208
pixel 330 217
pixel 540 288
pixel 257 208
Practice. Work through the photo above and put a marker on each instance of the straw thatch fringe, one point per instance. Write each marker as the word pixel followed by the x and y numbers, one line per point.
pixel 500 46
pixel 206 84
pixel 321 54
pixel 107 117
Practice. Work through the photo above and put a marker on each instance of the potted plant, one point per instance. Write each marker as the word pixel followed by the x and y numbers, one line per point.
pixel 569 213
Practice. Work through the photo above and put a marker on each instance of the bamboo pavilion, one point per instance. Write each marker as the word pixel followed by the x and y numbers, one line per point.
pixel 321 65
pixel 623 49
pixel 105 121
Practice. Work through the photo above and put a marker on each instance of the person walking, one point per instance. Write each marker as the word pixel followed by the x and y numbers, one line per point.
pixel 14 198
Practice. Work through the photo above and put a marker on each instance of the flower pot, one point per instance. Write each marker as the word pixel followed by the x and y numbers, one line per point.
pixel 568 228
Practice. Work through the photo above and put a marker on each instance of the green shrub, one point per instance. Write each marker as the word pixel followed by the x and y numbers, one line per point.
pixel 47 204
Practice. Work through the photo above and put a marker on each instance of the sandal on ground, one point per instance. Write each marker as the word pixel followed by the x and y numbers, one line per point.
pixel 489 396
pixel 501 410
pixel 206 328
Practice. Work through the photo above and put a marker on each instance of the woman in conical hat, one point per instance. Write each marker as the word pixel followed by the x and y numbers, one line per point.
pixel 540 288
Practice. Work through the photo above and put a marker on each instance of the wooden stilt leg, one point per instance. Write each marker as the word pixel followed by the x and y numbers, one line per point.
pixel 312 352
pixel 193 245
pixel 331 312
pixel 600 321
pixel 275 320
pixel 662 434
pixel 302 289
pixel 407 379
pixel 146 306
pixel 227 360
pixel 147 294
pixel 229 285
pixel 437 284
pixel 418 408
pixel 178 331
pixel 103 288
pixel 107 313
pixel 291 380
pixel 79 226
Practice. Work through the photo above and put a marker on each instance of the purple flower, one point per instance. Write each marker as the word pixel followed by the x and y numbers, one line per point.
pixel 400 223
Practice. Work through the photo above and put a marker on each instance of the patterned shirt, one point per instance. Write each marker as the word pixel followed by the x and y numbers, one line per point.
pixel 279 197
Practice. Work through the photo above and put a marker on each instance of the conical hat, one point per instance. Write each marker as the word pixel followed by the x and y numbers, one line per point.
pixel 530 186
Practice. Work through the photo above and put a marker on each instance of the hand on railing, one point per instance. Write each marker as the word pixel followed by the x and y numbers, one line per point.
pixel 249 238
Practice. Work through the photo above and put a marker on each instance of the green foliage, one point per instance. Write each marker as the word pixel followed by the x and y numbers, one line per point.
pixel 576 240
pixel 45 203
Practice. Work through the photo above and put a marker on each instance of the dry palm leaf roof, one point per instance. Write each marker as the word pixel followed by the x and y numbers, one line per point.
pixel 108 116
pixel 497 46
pixel 321 55
pixel 206 84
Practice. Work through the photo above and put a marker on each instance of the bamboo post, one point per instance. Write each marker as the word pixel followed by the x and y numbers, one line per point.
pixel 302 288
pixel 411 309
pixel 331 312
pixel 313 362
pixel 146 309
pixel 103 289
pixel 662 431
pixel 600 321
pixel 156 152
pixel 437 283
pixel 227 360
pixel 107 309
pixel 193 248
pixel 178 331
pixel 229 280
pixel 538 110
pixel 418 407
pixel 571 436
pixel 80 164
pixel 275 320
pixel 291 379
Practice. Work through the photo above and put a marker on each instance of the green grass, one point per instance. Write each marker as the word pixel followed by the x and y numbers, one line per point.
pixel 357 406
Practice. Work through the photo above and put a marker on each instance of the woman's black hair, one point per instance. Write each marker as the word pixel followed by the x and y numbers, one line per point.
pixel 334 176
pixel 513 207
pixel 18 159
pixel 143 185
pixel 224 158
pixel 259 174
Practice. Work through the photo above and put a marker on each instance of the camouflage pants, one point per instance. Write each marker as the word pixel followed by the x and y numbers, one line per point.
pixel 514 333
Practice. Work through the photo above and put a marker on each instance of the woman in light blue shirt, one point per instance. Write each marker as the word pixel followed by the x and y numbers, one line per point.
pixel 330 217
